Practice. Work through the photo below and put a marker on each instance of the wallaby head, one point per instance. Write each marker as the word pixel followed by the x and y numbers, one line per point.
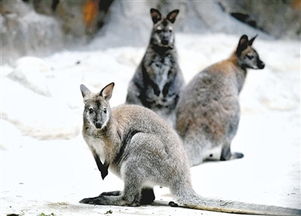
pixel 97 110
pixel 247 55
pixel 162 34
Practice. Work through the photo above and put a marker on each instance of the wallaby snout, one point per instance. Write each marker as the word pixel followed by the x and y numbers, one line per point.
pixel 98 125
pixel 247 55
pixel 260 64
pixel 165 41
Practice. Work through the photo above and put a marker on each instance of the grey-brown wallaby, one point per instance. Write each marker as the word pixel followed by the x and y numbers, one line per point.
pixel 208 112
pixel 158 79
pixel 144 151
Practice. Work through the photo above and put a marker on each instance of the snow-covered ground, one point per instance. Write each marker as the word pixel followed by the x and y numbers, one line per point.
pixel 46 167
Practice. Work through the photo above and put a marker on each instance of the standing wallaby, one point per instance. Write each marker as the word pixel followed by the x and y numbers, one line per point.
pixel 208 112
pixel 158 79
pixel 144 151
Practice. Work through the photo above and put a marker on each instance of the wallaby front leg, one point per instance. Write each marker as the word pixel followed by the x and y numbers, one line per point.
pixel 103 168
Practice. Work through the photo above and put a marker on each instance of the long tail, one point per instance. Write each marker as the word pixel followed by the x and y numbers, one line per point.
pixel 189 199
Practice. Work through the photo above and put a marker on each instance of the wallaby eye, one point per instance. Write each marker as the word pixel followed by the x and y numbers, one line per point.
pixel 170 30
pixel 158 30
pixel 250 57
pixel 91 110
pixel 105 110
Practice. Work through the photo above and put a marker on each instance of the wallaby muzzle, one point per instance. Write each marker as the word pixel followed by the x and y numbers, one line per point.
pixel 260 64
pixel 98 125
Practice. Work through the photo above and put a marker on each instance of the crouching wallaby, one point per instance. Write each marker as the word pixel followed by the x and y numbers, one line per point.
pixel 208 111
pixel 143 150
pixel 158 79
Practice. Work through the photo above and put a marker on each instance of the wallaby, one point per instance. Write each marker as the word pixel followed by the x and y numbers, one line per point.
pixel 144 151
pixel 158 79
pixel 208 112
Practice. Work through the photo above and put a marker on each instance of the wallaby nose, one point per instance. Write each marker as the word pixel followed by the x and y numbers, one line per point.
pixel 261 64
pixel 164 41
pixel 98 125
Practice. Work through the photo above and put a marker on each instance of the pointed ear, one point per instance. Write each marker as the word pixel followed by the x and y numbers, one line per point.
pixel 85 91
pixel 252 40
pixel 242 44
pixel 106 92
pixel 156 15
pixel 171 16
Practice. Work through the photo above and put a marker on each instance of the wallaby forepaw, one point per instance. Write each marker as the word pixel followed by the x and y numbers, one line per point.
pixel 237 155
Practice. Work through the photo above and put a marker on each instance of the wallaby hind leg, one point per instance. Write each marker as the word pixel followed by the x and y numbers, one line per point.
pixel 130 196
pixel 147 195
pixel 228 155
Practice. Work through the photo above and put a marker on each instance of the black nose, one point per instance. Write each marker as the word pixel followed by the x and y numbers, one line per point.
pixel 261 65
pixel 164 42
pixel 98 125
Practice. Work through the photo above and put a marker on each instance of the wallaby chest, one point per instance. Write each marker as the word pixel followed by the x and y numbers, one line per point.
pixel 161 69
pixel 95 142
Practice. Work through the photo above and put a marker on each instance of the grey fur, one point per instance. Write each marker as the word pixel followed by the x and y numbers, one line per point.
pixel 208 112
pixel 158 79
pixel 144 151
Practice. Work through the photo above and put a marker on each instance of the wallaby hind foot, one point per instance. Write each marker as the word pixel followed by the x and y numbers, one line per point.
pixel 109 200
pixel 130 197
pixel 147 196
pixel 111 193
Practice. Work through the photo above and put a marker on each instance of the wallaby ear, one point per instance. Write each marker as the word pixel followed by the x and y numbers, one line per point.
pixel 85 91
pixel 171 16
pixel 252 40
pixel 106 92
pixel 242 44
pixel 156 15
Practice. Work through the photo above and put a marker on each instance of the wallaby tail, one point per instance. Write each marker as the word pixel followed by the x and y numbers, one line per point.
pixel 189 199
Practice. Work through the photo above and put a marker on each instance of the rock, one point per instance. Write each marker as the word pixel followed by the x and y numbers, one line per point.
pixel 36 115
pixel 281 19
pixel 25 32
pixel 32 73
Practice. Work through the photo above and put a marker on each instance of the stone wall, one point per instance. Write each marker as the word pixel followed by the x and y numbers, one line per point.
pixel 36 27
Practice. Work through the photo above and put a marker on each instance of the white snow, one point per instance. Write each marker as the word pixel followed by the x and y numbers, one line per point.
pixel 45 166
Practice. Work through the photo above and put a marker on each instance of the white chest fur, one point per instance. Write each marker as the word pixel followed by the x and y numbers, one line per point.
pixel 161 67
pixel 95 144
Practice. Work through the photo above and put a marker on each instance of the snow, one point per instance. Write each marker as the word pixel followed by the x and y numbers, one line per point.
pixel 46 167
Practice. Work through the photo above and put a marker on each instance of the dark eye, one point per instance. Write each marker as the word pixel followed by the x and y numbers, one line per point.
pixel 105 110
pixel 250 57
pixel 158 30
pixel 91 110
pixel 170 30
